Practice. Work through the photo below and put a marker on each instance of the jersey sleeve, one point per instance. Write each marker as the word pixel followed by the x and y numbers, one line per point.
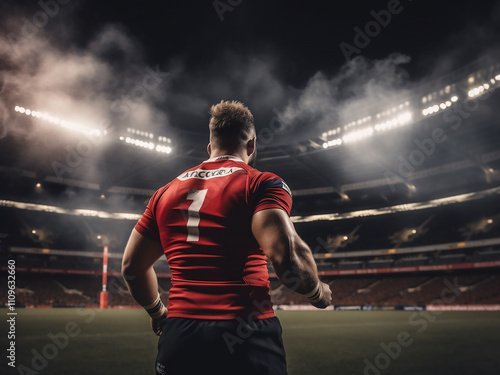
pixel 147 225
pixel 270 191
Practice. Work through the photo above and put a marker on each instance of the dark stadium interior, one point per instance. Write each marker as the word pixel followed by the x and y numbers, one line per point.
pixel 391 149
pixel 338 180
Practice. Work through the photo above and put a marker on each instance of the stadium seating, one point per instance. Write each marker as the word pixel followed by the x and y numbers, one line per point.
pixel 54 249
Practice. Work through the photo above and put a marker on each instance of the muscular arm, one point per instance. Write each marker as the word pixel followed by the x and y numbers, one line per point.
pixel 290 256
pixel 139 257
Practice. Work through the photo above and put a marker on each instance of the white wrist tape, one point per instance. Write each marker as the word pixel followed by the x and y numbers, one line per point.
pixel 316 294
pixel 155 309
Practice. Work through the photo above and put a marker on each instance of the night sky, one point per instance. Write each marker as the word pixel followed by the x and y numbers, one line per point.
pixel 263 53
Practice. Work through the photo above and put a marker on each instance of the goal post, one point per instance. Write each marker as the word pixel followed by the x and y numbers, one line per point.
pixel 103 302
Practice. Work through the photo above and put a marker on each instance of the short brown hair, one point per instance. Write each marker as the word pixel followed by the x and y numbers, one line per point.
pixel 231 123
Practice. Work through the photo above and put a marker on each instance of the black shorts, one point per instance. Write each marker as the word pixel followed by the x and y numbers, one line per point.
pixel 235 347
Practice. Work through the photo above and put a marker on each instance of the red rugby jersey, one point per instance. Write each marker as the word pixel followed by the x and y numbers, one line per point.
pixel 203 220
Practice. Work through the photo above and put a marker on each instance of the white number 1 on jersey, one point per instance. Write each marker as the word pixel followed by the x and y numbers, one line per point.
pixel 197 196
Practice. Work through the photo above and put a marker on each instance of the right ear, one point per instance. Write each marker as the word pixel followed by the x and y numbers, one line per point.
pixel 209 149
pixel 251 146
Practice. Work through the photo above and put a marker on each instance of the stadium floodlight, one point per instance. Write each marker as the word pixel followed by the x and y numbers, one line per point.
pixel 147 145
pixel 391 111
pixel 391 118
pixel 57 121
pixel 330 132
pixel 358 135
pixel 352 124
pixel 148 135
pixel 403 119
pixel 139 143
pixel 332 143
pixel 479 90
pixel 441 106
pixel 162 145
pixel 164 149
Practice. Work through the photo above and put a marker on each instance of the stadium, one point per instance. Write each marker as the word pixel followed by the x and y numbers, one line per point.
pixel 396 190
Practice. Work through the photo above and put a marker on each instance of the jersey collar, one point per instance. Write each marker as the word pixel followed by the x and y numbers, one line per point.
pixel 225 157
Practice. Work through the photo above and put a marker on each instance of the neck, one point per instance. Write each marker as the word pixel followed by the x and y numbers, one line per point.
pixel 217 153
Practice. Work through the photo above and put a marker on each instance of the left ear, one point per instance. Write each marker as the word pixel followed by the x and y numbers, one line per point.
pixel 251 146
pixel 209 149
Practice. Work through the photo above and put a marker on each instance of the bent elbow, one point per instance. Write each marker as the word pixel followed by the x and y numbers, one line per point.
pixel 127 270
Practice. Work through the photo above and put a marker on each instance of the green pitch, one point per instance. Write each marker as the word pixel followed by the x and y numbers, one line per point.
pixel 93 342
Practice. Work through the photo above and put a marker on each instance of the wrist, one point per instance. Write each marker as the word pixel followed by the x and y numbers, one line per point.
pixel 316 294
pixel 162 313
pixel 155 309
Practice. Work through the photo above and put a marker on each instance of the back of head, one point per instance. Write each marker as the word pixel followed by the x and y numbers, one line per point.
pixel 230 126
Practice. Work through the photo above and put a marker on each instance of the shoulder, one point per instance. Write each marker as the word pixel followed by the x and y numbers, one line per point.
pixel 264 180
pixel 153 201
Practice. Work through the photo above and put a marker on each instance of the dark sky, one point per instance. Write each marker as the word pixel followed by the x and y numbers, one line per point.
pixel 264 53
pixel 303 37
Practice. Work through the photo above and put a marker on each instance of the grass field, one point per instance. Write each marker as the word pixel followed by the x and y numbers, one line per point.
pixel 317 342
